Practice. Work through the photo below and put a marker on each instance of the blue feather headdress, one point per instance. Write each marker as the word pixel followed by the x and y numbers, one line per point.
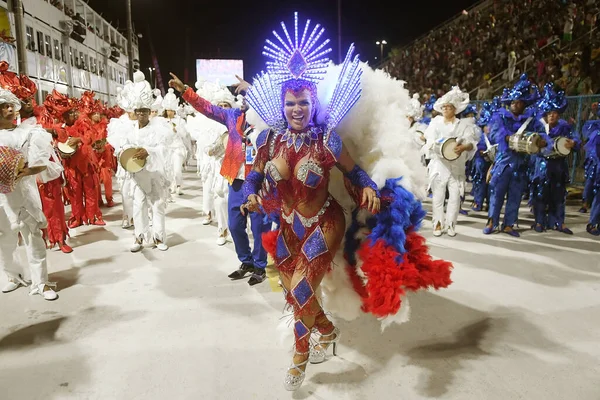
pixel 552 100
pixel 303 58
pixel 523 90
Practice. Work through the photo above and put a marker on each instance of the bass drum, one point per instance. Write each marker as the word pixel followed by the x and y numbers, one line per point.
pixel 526 142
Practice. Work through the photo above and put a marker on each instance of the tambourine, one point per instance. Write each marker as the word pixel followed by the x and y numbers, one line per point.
pixel 445 149
pixel 65 150
pixel 13 167
pixel 129 162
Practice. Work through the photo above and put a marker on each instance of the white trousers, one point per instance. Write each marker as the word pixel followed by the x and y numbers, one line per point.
pixel 126 189
pixel 143 207
pixel 178 160
pixel 208 201
pixel 221 212
pixel 35 248
pixel 438 189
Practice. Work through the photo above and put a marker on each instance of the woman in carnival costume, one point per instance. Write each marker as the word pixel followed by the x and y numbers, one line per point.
pixel 449 175
pixel 301 99
pixel 414 113
pixel 25 156
pixel 550 172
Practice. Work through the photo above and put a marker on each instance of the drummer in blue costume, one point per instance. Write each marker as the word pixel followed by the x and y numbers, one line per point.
pixel 592 149
pixel 509 173
pixel 550 172
pixel 483 160
pixel 590 130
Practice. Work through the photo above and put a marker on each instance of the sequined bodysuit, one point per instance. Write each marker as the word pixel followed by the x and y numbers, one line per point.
pixel 307 210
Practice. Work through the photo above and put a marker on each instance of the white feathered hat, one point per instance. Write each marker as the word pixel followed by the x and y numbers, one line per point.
pixel 170 102
pixel 215 93
pixel 137 94
pixel 415 108
pixel 156 106
pixel 456 97
pixel 7 97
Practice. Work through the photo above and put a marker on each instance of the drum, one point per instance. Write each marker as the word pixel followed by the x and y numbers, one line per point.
pixel 445 148
pixel 490 154
pixel 129 163
pixel 559 148
pixel 65 150
pixel 11 163
pixel 526 142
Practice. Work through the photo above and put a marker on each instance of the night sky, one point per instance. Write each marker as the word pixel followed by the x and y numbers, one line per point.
pixel 237 30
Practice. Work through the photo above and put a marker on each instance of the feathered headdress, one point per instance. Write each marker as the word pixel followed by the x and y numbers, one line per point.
pixel 6 97
pixel 455 97
pixel 170 102
pixel 20 85
pixel 552 100
pixel 415 108
pixel 89 105
pixel 158 101
pixel 523 90
pixel 58 103
pixel 303 59
pixel 137 94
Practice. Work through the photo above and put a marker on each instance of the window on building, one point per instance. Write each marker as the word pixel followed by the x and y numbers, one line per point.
pixel 48 43
pixel 30 41
pixel 56 49
pixel 72 54
pixel 40 42
pixel 62 53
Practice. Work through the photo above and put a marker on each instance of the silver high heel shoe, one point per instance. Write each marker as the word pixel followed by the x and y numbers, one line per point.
pixel 293 382
pixel 319 355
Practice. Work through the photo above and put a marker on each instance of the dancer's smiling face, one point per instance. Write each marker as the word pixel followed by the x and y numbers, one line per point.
pixel 298 109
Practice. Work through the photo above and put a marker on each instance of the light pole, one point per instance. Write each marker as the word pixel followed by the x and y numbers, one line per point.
pixel 129 40
pixel 152 75
pixel 381 43
pixel 18 12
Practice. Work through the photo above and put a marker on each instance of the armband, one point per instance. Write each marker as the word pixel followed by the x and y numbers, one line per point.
pixel 252 184
pixel 359 178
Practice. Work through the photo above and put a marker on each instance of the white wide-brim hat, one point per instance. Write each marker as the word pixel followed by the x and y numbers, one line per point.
pixel 456 97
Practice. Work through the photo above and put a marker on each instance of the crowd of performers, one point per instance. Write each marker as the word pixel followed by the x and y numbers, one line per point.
pixel 316 156
pixel 516 147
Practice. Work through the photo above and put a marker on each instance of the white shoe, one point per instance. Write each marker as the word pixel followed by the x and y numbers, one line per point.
pixel 137 246
pixel 126 224
pixel 451 231
pixel 46 291
pixel 437 232
pixel 179 192
pixel 221 241
pixel 161 246
pixel 207 221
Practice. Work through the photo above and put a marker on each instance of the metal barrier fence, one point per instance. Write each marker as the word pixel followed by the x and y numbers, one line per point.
pixel 579 110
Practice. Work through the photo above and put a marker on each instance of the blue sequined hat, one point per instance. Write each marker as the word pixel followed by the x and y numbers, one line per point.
pixel 523 90
pixel 487 110
pixel 552 100
pixel 471 109
pixel 430 103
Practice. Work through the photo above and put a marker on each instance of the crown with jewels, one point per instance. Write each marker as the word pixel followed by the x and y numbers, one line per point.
pixel 304 58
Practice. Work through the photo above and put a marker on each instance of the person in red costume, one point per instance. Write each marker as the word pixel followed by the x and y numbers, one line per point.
pixel 105 153
pixel 50 192
pixel 82 166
